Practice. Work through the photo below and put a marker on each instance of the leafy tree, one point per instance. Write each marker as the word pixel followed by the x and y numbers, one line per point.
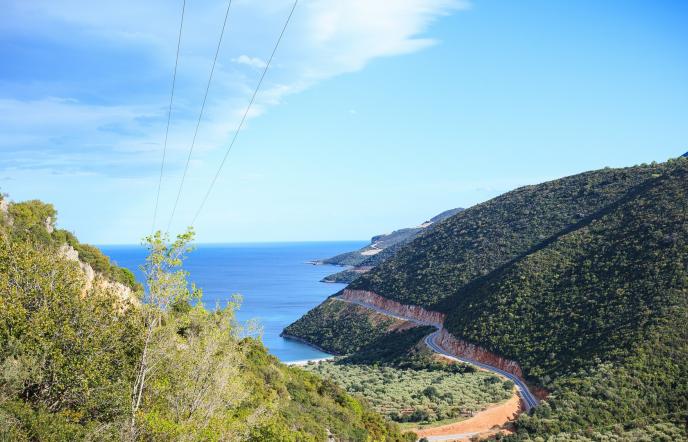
pixel 66 359
pixel 79 364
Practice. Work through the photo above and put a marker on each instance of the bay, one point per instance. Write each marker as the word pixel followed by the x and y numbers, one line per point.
pixel 275 280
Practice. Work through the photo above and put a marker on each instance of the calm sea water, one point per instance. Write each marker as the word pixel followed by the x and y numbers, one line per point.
pixel 276 283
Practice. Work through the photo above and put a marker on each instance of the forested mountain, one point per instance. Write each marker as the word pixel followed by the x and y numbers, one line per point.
pixel 597 315
pixel 480 239
pixel 80 362
pixel 380 248
pixel 583 281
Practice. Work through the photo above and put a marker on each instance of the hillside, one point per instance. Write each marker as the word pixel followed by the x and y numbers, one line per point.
pixel 35 221
pixel 477 241
pixel 484 237
pixel 70 354
pixel 380 248
pixel 597 315
pixel 326 326
pixel 583 281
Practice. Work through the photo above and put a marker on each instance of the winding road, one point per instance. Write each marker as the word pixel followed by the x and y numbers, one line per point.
pixel 529 400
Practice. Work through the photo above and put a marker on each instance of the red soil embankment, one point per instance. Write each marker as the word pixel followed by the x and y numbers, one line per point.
pixel 409 311
pixel 472 351
pixel 450 343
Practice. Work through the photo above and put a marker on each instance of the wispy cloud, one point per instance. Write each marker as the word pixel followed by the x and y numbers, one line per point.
pixel 327 38
pixel 85 85
pixel 254 62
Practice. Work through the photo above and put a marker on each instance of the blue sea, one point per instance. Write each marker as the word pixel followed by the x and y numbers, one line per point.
pixel 277 284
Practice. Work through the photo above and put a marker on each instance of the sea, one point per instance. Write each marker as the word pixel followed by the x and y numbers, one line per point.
pixel 276 281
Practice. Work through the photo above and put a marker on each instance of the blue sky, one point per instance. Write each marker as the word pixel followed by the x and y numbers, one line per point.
pixel 376 114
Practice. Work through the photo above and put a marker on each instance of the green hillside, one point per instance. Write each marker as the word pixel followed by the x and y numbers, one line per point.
pixel 70 357
pixel 583 281
pixel 597 315
pixel 471 244
pixel 480 239
pixel 329 326
pixel 385 246
pixel 35 221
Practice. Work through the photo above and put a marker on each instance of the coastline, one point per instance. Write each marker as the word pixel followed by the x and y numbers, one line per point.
pixel 303 341
pixel 307 361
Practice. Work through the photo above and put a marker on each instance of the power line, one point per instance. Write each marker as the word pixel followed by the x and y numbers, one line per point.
pixel 200 116
pixel 169 116
pixel 243 118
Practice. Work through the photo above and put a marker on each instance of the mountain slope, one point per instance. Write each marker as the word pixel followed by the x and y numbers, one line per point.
pixel 69 354
pixel 473 243
pixel 583 281
pixel 482 238
pixel 380 248
pixel 601 310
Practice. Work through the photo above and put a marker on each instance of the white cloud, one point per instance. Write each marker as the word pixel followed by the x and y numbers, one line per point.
pixel 254 62
pixel 326 38
pixel 112 120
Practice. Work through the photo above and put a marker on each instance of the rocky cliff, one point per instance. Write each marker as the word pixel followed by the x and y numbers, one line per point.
pixel 450 343
pixel 471 351
pixel 407 311
pixel 92 277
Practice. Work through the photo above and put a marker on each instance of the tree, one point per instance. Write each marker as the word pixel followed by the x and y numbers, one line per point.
pixel 67 356
pixel 189 383
pixel 166 284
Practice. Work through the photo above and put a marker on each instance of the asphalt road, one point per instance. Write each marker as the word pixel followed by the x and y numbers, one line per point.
pixel 529 400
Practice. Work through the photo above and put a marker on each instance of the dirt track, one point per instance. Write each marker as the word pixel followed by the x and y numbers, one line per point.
pixel 482 422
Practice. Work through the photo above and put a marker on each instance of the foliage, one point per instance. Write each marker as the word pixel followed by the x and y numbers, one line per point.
pixel 70 362
pixel 583 281
pixel 388 244
pixel 344 277
pixel 417 395
pixel 480 239
pixel 35 221
pixel 30 218
pixel 96 259
pixel 328 326
pixel 601 310
pixel 66 360
pixel 309 404
pixel 395 348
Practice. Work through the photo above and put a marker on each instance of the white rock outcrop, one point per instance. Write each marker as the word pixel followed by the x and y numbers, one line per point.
pixel 93 278
pixel 49 225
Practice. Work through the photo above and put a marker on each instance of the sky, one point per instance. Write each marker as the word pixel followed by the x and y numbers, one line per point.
pixel 374 114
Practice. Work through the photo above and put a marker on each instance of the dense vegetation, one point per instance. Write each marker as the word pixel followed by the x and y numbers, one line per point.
pixel 399 348
pixel 583 281
pixel 35 220
pixel 66 360
pixel 329 326
pixel 387 244
pixel 343 277
pixel 417 395
pixel 597 314
pixel 79 364
pixel 399 376
pixel 432 270
pixel 484 237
